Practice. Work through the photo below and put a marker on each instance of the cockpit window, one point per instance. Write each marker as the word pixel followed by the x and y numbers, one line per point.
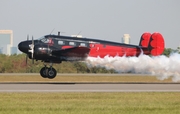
pixel 47 40
pixel 43 39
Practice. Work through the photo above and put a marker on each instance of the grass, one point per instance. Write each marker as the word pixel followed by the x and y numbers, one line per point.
pixel 82 78
pixel 90 103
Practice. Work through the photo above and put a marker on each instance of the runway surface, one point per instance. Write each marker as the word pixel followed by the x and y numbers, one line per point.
pixel 89 87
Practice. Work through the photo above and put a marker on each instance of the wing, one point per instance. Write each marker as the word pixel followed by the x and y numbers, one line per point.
pixel 74 53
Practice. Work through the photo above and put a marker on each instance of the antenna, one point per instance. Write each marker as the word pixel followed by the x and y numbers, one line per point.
pixel 52 31
pixel 59 33
pixel 78 33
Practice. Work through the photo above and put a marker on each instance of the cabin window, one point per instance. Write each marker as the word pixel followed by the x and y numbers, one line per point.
pixel 60 42
pixel 83 44
pixel 71 43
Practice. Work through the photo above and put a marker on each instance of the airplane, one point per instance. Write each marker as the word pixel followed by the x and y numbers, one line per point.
pixel 57 48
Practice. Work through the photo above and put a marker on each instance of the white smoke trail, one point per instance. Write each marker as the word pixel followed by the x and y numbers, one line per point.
pixel 161 66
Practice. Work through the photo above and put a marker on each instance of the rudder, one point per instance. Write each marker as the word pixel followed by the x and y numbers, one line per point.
pixel 156 44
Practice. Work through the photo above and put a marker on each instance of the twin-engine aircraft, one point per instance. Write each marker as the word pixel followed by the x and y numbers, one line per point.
pixel 57 48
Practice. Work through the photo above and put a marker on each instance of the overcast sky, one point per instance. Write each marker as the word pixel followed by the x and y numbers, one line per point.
pixel 102 19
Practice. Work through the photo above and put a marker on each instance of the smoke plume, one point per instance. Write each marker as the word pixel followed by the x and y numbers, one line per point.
pixel 161 66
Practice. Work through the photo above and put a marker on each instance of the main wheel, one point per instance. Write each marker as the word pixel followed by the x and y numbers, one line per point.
pixel 44 72
pixel 51 73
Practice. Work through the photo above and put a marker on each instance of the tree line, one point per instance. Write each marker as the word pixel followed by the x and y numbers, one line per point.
pixel 17 64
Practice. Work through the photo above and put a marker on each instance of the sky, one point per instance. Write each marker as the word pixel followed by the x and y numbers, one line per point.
pixel 101 19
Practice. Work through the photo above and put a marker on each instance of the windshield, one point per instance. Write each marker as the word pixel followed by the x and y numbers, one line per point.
pixel 43 39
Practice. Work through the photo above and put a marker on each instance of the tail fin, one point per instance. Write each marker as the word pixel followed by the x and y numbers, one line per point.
pixel 145 39
pixel 154 43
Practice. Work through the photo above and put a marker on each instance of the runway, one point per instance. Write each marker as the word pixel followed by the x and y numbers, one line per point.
pixel 89 87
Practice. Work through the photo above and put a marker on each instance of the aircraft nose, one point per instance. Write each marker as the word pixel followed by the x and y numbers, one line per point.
pixel 23 46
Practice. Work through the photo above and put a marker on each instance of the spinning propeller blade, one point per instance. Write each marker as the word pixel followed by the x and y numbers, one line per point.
pixel 27 54
pixel 27 37
pixel 32 54
pixel 32 50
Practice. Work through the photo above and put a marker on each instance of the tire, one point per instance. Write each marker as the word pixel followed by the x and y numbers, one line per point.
pixel 51 73
pixel 44 72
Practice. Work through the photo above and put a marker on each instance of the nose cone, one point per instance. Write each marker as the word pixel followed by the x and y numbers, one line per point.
pixel 23 46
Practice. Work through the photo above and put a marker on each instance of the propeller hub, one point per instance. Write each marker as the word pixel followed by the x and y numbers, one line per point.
pixel 24 46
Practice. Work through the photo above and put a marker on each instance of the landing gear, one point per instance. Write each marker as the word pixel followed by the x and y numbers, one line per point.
pixel 46 72
pixel 51 73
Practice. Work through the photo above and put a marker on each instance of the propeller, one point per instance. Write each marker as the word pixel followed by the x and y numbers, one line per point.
pixel 27 54
pixel 32 50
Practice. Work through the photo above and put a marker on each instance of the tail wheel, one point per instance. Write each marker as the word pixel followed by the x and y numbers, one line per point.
pixel 44 72
pixel 51 73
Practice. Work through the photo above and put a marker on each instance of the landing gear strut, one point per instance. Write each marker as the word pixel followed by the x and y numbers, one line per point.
pixel 46 72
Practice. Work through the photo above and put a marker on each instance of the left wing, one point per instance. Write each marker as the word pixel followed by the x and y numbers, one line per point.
pixel 74 53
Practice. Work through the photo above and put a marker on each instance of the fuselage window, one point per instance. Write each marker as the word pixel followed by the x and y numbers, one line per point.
pixel 83 44
pixel 60 42
pixel 71 43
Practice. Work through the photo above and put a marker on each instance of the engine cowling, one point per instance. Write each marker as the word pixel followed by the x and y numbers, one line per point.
pixel 42 51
